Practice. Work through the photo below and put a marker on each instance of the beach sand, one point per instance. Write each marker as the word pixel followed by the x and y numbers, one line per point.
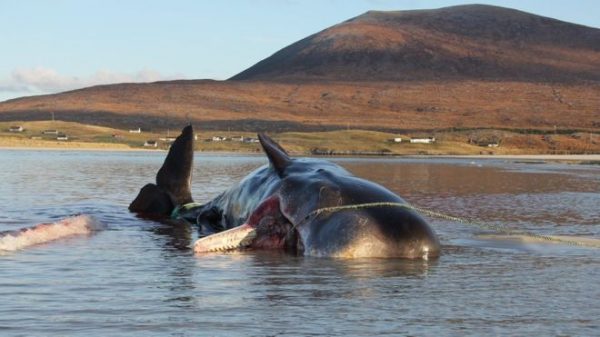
pixel 535 157
pixel 16 143
pixel 33 144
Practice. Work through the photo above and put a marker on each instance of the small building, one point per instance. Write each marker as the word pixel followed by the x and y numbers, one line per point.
pixel 218 138
pixel 251 140
pixel 151 143
pixel 428 140
pixel 50 132
pixel 138 130
pixel 237 138
pixel 62 136
pixel 397 140
pixel 167 139
pixel 16 128
pixel 488 143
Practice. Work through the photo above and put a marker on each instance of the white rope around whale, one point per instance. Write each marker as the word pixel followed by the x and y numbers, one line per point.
pixel 592 243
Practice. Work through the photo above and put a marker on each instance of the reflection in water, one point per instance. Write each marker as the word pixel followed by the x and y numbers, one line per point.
pixel 137 278
pixel 179 234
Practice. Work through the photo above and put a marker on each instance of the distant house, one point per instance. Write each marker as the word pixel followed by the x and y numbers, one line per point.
pixel 50 132
pixel 397 140
pixel 151 143
pixel 138 130
pixel 218 138
pixel 237 138
pixel 428 140
pixel 167 139
pixel 16 128
pixel 251 140
pixel 62 136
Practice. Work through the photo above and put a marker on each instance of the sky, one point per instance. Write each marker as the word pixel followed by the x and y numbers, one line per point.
pixel 49 46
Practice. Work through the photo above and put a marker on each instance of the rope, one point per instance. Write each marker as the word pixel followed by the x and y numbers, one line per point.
pixel 465 221
pixel 183 208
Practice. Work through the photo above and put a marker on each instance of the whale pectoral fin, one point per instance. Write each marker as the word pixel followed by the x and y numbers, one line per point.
pixel 278 158
pixel 175 175
pixel 152 200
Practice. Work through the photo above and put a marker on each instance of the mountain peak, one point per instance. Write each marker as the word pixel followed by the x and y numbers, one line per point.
pixel 458 42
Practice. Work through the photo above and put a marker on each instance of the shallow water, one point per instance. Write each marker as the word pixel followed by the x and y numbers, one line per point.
pixel 137 279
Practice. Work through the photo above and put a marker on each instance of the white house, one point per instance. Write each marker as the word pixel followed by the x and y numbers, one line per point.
pixel 138 130
pixel 151 143
pixel 167 139
pixel 62 136
pixel 218 138
pixel 251 140
pixel 16 128
pixel 427 140
pixel 397 140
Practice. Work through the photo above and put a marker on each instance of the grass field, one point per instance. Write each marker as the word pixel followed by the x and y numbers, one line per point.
pixel 348 142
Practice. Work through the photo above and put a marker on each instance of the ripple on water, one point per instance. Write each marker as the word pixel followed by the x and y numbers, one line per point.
pixel 136 278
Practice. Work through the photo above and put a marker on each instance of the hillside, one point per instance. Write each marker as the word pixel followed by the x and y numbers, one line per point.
pixel 461 42
pixel 450 68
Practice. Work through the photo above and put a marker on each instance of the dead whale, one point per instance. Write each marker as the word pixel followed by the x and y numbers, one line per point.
pixel 303 205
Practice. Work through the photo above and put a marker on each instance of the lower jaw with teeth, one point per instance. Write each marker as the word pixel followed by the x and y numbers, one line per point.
pixel 229 240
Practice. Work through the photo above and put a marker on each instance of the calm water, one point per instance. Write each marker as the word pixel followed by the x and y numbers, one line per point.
pixel 134 279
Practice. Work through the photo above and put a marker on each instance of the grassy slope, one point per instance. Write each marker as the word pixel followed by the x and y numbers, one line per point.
pixel 342 142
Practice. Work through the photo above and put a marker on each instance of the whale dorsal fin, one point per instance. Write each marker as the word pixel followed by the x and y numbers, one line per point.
pixel 175 176
pixel 278 158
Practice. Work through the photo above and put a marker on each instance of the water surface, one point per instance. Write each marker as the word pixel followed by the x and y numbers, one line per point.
pixel 138 279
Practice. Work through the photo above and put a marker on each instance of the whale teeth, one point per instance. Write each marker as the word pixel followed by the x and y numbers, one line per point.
pixel 228 240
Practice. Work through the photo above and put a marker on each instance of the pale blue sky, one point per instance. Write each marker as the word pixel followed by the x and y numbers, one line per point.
pixel 49 46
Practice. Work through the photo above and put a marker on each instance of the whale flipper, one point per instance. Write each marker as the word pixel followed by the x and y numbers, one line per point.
pixel 152 200
pixel 173 180
pixel 175 176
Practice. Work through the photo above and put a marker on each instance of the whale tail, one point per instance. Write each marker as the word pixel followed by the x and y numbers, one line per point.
pixel 173 180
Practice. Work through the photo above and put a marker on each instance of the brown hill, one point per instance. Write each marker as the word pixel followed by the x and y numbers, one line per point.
pixel 457 67
pixel 472 41
pixel 271 106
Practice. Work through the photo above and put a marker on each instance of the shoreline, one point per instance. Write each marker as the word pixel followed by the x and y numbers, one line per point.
pixel 102 147
pixel 541 157
pixel 78 148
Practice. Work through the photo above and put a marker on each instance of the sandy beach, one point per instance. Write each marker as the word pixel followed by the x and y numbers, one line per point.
pixel 7 143
pixel 30 144
pixel 539 157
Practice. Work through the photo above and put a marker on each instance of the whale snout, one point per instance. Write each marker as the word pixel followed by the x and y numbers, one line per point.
pixel 383 233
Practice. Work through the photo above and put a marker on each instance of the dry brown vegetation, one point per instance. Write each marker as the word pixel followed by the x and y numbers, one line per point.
pixel 536 80
pixel 460 42
pixel 281 106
